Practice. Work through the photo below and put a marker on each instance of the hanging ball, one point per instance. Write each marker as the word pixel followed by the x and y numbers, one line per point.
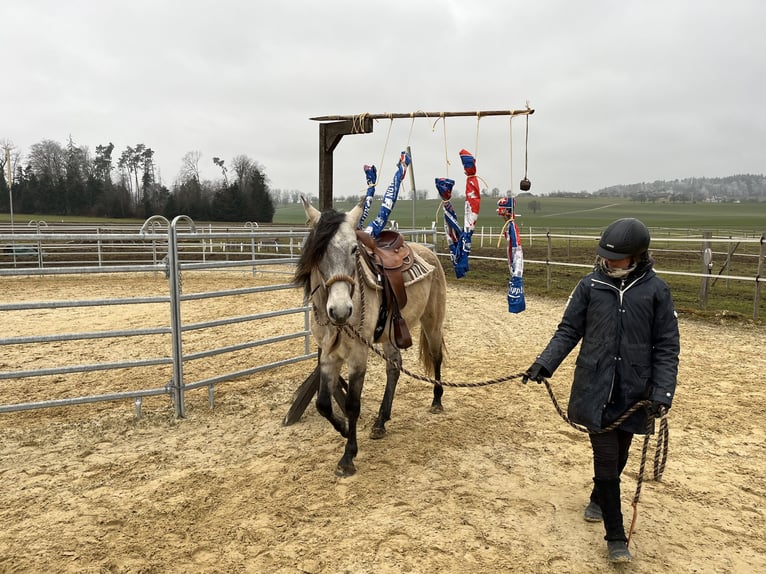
pixel 525 184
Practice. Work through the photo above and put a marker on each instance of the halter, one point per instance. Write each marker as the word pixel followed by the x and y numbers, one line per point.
pixel 327 283
pixel 339 277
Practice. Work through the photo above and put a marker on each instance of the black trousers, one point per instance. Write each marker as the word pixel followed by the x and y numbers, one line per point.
pixel 610 453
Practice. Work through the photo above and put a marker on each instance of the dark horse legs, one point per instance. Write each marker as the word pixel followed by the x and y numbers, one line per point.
pixel 346 427
pixel 436 404
pixel 392 378
pixel 393 366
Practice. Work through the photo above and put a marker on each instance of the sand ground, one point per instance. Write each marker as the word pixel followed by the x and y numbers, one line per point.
pixel 497 483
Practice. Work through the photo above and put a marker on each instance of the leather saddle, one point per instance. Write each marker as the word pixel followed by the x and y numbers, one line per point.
pixel 390 256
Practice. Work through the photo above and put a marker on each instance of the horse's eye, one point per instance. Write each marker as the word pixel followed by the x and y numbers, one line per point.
pixel 353 250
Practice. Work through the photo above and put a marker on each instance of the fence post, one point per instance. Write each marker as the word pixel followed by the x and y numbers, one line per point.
pixel 98 236
pixel 548 261
pixel 757 296
pixel 727 266
pixel 707 266
pixel 174 277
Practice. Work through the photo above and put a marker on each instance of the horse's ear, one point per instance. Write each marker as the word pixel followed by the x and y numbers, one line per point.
pixel 312 213
pixel 355 214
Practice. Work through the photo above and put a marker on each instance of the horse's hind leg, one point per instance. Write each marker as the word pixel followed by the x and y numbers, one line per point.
pixel 436 404
pixel 432 355
pixel 392 378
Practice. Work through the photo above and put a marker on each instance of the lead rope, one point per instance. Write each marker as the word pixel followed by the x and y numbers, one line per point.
pixel 660 458
pixel 660 454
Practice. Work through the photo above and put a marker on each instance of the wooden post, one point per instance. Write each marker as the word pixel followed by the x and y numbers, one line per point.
pixel 707 266
pixel 759 278
pixel 330 135
pixel 727 267
pixel 548 261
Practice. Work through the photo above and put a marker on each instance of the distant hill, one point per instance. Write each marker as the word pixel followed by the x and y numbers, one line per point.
pixel 739 188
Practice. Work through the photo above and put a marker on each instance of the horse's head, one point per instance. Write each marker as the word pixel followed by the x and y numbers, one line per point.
pixel 328 259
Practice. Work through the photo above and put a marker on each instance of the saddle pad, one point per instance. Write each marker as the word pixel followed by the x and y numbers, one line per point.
pixel 420 270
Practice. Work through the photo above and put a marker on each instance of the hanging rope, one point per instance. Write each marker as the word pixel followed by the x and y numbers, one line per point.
pixel 446 151
pixel 441 118
pixel 385 145
pixel 526 147
pixel 525 184
pixel 510 156
pixel 476 146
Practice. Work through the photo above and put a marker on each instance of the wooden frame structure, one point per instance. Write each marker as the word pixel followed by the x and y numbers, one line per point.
pixel 331 131
pixel 333 128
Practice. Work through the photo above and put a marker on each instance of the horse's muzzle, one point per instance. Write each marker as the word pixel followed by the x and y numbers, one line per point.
pixel 340 314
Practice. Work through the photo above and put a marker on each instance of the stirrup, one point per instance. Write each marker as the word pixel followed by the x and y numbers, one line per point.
pixel 593 513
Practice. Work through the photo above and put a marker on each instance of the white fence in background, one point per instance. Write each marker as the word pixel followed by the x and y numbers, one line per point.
pixel 160 247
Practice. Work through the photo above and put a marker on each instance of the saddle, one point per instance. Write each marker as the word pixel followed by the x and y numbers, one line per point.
pixel 390 256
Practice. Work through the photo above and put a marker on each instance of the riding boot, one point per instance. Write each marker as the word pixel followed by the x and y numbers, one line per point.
pixel 592 512
pixel 608 491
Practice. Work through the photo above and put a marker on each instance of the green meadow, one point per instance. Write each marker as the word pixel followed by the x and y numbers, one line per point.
pixel 730 299
pixel 725 299
pixel 564 214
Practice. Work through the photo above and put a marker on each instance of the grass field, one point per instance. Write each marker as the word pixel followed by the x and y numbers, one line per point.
pixel 556 214
pixel 726 300
pixel 586 213
pixel 584 216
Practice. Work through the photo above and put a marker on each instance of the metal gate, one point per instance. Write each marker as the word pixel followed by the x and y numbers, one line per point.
pixel 186 252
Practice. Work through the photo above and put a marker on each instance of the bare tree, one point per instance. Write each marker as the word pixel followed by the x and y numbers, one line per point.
pixel 9 160
pixel 242 165
pixel 190 166
pixel 47 160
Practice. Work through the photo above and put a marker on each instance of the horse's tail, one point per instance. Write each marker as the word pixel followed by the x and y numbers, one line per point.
pixel 430 352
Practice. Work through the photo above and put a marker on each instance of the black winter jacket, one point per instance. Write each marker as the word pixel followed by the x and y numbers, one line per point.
pixel 629 350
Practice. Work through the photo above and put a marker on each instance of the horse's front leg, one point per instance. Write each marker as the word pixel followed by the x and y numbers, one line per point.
pixel 393 369
pixel 329 374
pixel 353 407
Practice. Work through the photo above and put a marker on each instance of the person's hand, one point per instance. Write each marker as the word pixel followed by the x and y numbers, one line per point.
pixel 657 409
pixel 536 372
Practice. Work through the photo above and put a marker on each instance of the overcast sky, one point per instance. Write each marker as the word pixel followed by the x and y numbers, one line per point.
pixel 623 91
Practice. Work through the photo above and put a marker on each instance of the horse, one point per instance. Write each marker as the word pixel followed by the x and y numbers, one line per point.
pixel 331 271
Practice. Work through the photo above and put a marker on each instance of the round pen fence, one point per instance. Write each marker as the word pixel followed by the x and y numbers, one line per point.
pixel 179 266
pixel 197 298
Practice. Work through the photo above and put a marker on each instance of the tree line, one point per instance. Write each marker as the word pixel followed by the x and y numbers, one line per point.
pixel 56 179
pixel 742 188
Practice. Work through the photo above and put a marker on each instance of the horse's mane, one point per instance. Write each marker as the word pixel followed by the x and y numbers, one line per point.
pixel 316 246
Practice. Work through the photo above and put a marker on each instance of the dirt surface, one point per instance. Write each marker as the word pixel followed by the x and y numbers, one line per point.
pixel 495 484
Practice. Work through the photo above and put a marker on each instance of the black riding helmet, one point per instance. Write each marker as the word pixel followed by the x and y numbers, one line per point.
pixel 627 237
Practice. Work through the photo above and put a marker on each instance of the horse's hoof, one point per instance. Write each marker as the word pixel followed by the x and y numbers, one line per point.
pixel 377 433
pixel 436 409
pixel 345 471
